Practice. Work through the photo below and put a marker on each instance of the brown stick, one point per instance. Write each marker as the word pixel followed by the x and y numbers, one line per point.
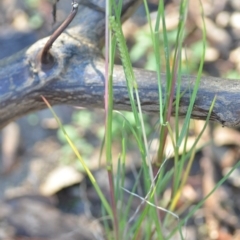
pixel 45 56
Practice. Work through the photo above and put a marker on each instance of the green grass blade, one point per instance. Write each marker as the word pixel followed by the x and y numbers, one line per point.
pixel 91 177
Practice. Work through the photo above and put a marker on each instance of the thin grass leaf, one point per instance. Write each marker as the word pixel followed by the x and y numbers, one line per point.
pixel 91 177
pixel 197 83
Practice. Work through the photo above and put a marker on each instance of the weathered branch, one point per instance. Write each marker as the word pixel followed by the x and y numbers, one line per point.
pixel 77 77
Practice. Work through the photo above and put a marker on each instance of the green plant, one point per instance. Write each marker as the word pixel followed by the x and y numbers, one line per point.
pixel 147 222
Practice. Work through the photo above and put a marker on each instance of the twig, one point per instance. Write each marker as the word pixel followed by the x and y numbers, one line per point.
pixel 46 58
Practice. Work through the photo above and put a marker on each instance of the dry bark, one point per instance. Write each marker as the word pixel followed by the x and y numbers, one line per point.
pixel 77 77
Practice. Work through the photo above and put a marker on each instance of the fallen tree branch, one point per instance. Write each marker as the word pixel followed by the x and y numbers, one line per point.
pixel 77 77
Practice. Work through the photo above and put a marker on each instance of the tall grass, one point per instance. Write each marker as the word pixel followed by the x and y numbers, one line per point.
pixel 152 219
pixel 147 223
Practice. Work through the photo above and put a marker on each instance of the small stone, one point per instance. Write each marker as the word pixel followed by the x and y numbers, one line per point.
pixel 235 20
pixel 234 55
pixel 223 19
pixel 234 177
pixel 218 35
pixel 20 21
pixel 211 54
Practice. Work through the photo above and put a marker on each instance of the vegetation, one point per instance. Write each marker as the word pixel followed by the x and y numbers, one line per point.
pixel 153 219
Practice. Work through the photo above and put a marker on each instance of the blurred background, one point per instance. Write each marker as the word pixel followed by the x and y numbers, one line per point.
pixel 44 191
